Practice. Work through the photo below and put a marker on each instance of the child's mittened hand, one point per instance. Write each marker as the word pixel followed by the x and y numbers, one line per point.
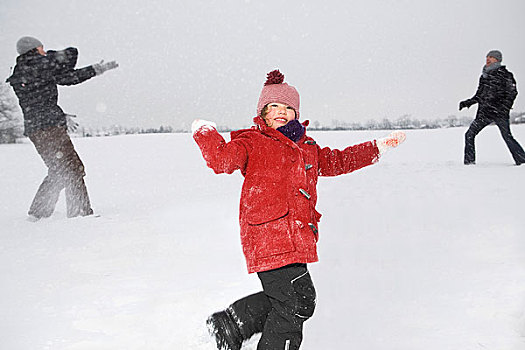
pixel 393 140
pixel 200 123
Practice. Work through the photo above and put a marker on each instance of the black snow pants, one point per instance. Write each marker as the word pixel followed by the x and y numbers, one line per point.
pixel 65 171
pixel 287 300
pixel 503 124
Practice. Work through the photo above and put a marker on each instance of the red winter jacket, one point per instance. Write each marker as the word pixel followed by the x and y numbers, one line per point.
pixel 277 211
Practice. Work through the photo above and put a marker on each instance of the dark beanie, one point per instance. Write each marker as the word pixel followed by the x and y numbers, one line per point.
pixel 496 54
pixel 26 44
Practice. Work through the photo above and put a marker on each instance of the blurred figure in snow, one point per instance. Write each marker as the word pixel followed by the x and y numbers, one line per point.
pixel 495 96
pixel 278 220
pixel 34 80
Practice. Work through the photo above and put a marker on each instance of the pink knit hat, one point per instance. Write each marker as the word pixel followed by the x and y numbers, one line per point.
pixel 275 90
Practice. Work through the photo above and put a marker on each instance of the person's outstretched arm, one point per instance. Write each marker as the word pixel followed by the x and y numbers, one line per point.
pixel 66 74
pixel 220 156
pixel 333 162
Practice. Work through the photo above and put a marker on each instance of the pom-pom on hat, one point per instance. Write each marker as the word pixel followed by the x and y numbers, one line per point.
pixel 275 90
pixel 26 44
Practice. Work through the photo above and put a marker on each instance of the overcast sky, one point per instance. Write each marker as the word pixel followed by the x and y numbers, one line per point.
pixel 349 60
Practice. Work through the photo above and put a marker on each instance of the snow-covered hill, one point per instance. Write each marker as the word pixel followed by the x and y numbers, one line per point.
pixel 416 252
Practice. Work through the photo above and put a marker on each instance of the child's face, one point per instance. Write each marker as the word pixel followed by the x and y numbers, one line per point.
pixel 278 114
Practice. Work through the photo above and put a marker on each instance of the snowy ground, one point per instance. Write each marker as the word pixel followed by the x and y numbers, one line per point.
pixel 417 252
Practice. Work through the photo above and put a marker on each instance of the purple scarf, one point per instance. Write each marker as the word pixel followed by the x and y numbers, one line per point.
pixel 294 130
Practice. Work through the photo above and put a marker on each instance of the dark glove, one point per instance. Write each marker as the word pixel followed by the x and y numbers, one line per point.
pixel 102 66
pixel 466 103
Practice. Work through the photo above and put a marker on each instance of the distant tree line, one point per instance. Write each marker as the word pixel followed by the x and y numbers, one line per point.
pixel 404 122
pixel 407 122
pixel 11 123
pixel 120 130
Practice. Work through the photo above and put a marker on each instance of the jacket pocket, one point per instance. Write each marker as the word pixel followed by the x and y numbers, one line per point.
pixel 265 212
pixel 263 200
pixel 271 237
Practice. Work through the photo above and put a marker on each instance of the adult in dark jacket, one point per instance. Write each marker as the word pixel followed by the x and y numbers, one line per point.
pixel 34 80
pixel 495 96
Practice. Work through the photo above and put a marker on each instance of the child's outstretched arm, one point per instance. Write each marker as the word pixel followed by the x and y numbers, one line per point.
pixel 333 162
pixel 221 156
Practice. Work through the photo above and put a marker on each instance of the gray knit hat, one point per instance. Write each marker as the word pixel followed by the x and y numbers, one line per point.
pixel 496 54
pixel 26 44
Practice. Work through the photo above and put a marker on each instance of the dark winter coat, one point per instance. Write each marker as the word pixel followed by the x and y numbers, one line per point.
pixel 277 216
pixel 35 79
pixel 496 94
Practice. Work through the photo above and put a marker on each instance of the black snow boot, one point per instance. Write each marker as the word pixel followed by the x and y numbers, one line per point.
pixel 227 334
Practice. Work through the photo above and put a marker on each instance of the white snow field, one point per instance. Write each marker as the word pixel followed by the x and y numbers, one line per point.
pixel 416 252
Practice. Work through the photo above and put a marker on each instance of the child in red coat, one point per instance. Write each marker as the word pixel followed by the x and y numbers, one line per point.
pixel 278 220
